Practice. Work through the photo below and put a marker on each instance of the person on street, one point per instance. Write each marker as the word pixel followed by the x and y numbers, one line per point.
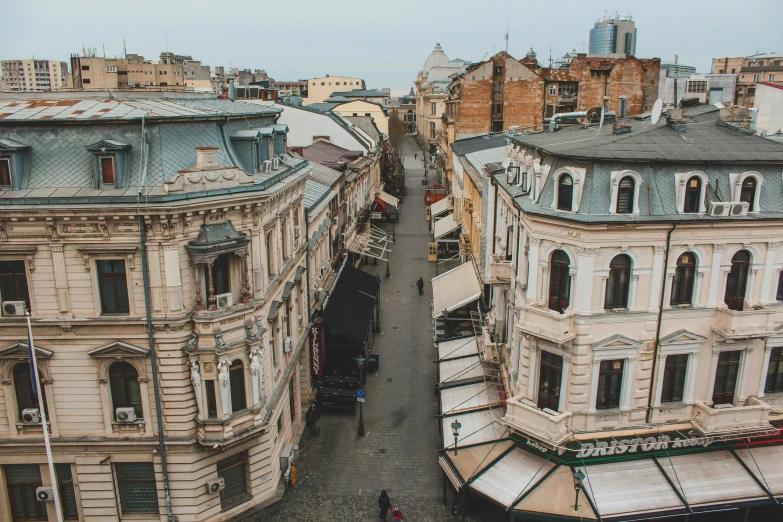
pixel 420 285
pixel 414 156
pixel 384 502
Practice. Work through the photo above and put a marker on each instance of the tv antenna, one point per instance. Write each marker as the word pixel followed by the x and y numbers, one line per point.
pixel 507 20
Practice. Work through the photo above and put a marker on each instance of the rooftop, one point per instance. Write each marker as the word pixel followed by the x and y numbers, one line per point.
pixel 330 155
pixel 360 93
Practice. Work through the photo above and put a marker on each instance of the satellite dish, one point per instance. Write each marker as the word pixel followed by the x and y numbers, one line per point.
pixel 656 111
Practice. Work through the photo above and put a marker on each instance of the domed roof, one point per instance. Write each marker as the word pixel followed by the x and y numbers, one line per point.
pixel 436 57
pixel 531 54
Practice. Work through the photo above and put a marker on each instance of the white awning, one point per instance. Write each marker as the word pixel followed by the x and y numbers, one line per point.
pixel 445 226
pixel 388 198
pixel 455 348
pixel 469 397
pixel 514 474
pixel 766 463
pixel 370 241
pixel 459 369
pixel 477 427
pixel 439 207
pixel 454 289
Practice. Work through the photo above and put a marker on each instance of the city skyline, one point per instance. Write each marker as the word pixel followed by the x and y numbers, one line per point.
pixel 393 43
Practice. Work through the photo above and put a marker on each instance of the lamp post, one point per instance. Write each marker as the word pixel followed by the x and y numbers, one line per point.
pixel 455 426
pixel 360 362
pixel 579 477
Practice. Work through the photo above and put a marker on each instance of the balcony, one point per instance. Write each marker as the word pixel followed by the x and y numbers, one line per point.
pixel 750 323
pixel 752 416
pixel 500 271
pixel 465 246
pixel 548 324
pixel 522 415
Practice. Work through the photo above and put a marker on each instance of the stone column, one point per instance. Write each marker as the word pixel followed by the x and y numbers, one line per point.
pixel 764 370
pixel 255 375
pixel 739 396
pixel 532 263
pixel 593 386
pixel 655 281
pixel 255 252
pixel 660 370
pixel 195 378
pixel 61 282
pixel 769 285
pixel 750 294
pixel 583 293
pixel 197 280
pixel 690 377
pixel 211 299
pixel 544 283
pixel 668 288
pixel 628 382
pixel 173 277
pixel 604 282
pixel 531 374
pixel 571 285
pixel 632 292
pixel 711 382
pixel 696 301
pixel 562 404
pixel 224 385
pixel 715 273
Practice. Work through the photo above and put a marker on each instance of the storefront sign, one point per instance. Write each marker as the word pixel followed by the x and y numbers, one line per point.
pixel 640 445
pixel 316 349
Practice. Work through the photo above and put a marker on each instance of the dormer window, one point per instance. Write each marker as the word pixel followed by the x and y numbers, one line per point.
pixel 625 196
pixel 14 159
pixel 5 173
pixel 110 163
pixel 692 195
pixel 748 192
pixel 565 193
pixel 107 170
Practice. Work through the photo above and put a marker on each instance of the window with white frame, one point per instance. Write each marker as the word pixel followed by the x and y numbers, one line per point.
pixel 625 192
pixel 691 192
pixel 675 373
pixel 612 374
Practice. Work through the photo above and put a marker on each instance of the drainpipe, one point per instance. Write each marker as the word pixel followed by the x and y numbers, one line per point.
pixel 495 221
pixel 151 341
pixel 658 325
pixel 307 261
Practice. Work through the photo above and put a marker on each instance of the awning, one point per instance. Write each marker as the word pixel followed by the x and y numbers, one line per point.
pixel 455 370
pixel 351 303
pixel 456 348
pixel 439 207
pixel 388 198
pixel 445 226
pixel 512 476
pixel 470 397
pixel 370 241
pixel 454 289
pixel 478 427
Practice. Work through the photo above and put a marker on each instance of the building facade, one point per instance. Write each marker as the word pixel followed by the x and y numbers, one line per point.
pixel 33 75
pixel 291 88
pixel 613 36
pixel 631 301
pixel 319 89
pixel 404 108
pixel 762 67
pixel 197 77
pixel 132 72
pixel 190 309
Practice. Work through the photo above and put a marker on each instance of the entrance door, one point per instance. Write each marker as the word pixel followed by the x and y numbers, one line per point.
pixel 559 280
pixel 716 95
pixel 726 377
pixel 550 375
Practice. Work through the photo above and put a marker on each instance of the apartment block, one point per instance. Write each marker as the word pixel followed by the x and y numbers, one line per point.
pixel 33 75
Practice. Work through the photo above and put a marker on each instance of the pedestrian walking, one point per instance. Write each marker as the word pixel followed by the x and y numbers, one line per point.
pixel 420 285
pixel 414 156
pixel 384 502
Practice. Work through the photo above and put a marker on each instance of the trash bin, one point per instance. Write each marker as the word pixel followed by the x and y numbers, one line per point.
pixel 374 363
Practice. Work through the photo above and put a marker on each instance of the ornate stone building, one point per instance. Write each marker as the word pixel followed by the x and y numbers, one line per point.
pixel 140 224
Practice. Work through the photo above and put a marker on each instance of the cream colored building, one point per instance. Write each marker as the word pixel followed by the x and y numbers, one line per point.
pixel 226 309
pixel 632 299
pixel 365 108
pixel 33 75
pixel 319 89
pixel 133 72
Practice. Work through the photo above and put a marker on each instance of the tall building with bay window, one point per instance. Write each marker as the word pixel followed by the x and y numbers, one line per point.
pixel 160 249
pixel 631 281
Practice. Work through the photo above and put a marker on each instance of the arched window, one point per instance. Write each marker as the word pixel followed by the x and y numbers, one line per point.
pixel 737 280
pixel 237 378
pixel 565 192
pixel 559 282
pixel 124 387
pixel 618 285
pixel 692 195
pixel 625 196
pixel 682 286
pixel 25 398
pixel 748 192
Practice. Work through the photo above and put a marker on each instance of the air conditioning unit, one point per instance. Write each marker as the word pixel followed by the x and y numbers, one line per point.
pixel 275 164
pixel 125 414
pixel 287 344
pixel 740 209
pixel 216 486
pixel 13 308
pixel 720 209
pixel 267 166
pixel 31 416
pixel 224 300
pixel 43 494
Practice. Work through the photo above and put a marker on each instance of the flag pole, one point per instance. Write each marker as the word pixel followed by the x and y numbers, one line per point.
pixel 44 425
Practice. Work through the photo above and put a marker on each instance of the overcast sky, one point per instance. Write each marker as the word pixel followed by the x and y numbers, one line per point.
pixel 384 43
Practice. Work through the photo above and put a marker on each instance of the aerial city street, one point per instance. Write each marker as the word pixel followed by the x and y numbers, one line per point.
pixel 418 262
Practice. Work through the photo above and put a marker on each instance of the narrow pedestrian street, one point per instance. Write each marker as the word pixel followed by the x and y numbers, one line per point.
pixel 342 474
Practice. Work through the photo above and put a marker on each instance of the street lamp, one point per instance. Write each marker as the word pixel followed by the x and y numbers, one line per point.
pixel 579 477
pixel 360 362
pixel 455 426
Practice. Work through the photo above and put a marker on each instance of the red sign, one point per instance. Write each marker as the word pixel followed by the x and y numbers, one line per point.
pixel 316 350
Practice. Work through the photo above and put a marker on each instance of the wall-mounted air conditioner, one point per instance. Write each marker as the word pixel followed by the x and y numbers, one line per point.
pixel 216 486
pixel 13 308
pixel 720 208
pixel 125 414
pixel 224 300
pixel 31 416
pixel 740 208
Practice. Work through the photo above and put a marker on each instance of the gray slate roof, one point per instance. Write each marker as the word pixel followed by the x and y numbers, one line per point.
pixel 360 93
pixel 326 107
pixel 314 191
pixel 324 175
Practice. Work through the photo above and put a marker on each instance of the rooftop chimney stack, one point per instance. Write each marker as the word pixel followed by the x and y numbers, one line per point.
pixel 232 91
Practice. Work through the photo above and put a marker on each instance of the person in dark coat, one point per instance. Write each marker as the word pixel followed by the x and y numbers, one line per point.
pixel 384 502
pixel 420 285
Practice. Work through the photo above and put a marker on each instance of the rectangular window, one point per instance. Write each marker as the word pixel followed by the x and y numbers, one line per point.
pixel 775 372
pixel 136 487
pixel 67 495
pixel 270 254
pixel 497 126
pixel 22 481
pixel 221 275
pixel 211 400
pixel 549 377
pixel 610 382
pixel 674 377
pixel 85 67
pixel 284 237
pixel 433 108
pixel 273 347
pixel 552 90
pixel 726 377
pixel 86 80
pixel 5 173
pixel 13 282
pixel 107 170
pixel 113 286
pixel 432 129
pixel 771 77
pixel 233 471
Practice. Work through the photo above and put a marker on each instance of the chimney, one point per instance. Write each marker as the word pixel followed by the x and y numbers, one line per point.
pixel 206 158
pixel 675 120
pixel 623 100
pixel 232 92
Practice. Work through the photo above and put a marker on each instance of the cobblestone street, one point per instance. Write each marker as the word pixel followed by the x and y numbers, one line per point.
pixel 343 473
